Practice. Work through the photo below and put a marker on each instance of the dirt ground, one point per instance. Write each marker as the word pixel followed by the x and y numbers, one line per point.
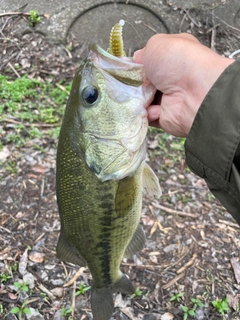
pixel 192 249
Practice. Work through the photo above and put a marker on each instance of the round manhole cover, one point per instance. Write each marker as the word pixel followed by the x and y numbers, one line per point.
pixel 94 25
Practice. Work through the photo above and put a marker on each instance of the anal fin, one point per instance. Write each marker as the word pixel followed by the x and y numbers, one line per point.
pixel 137 242
pixel 124 285
pixel 67 253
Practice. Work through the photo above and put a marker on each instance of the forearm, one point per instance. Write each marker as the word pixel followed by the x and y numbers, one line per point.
pixel 212 146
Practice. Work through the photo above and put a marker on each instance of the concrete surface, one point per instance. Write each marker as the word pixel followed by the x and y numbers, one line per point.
pixel 91 20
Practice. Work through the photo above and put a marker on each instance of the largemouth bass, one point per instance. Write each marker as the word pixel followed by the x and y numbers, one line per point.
pixel 101 172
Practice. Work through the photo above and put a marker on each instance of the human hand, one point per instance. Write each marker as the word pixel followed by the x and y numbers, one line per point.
pixel 183 70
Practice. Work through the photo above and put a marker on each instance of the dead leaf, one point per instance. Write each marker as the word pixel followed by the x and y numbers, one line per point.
pixel 154 253
pixel 127 311
pixel 153 144
pixel 154 228
pixel 154 259
pixel 169 162
pixel 157 225
pixel 23 262
pixel 37 257
pixel 194 286
pixel 5 257
pixel 147 221
pixel 233 302
pixel 2 288
pixel 19 215
pixel 120 303
pixel 170 247
pixel 4 153
pixel 12 296
pixel 236 268
pixel 167 316
pixel 40 169
pixel 6 250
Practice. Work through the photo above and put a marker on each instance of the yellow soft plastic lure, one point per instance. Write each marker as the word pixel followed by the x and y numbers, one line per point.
pixel 116 47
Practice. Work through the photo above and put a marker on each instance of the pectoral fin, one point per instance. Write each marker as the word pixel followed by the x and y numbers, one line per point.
pixel 150 182
pixel 67 253
pixel 137 242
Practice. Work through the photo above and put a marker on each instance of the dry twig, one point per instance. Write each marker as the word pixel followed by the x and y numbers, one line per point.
pixel 73 299
pixel 172 211
pixel 230 224
pixel 179 260
pixel 188 264
pixel 65 269
pixel 15 14
pixel 45 290
pixel 14 70
pixel 74 278
pixel 174 280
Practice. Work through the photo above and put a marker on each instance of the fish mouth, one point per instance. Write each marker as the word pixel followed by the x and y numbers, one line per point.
pixel 117 67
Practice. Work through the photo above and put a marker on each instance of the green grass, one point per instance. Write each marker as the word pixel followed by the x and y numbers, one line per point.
pixel 34 18
pixel 221 305
pixel 82 288
pixel 168 148
pixel 29 104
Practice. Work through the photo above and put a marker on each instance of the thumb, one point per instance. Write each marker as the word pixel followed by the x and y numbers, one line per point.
pixel 138 56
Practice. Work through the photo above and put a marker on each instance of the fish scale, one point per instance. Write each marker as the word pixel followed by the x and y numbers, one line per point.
pixel 94 215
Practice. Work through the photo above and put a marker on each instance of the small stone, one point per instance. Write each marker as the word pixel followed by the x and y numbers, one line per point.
pixel 29 279
pixel 57 282
pixel 149 317
pixel 58 315
pixel 34 315
pixel 44 275
pixel 11 317
pixel 23 296
pixel 49 266
pixel 170 247
pixel 200 314
pixel 181 176
pixel 58 292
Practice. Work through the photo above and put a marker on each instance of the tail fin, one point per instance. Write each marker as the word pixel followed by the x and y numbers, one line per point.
pixel 102 299
pixel 102 303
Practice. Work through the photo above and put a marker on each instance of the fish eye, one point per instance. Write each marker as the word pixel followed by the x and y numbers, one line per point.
pixel 90 95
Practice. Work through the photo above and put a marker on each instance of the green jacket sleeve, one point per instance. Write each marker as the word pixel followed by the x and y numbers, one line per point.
pixel 212 146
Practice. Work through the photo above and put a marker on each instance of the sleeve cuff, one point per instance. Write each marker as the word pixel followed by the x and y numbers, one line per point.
pixel 214 136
